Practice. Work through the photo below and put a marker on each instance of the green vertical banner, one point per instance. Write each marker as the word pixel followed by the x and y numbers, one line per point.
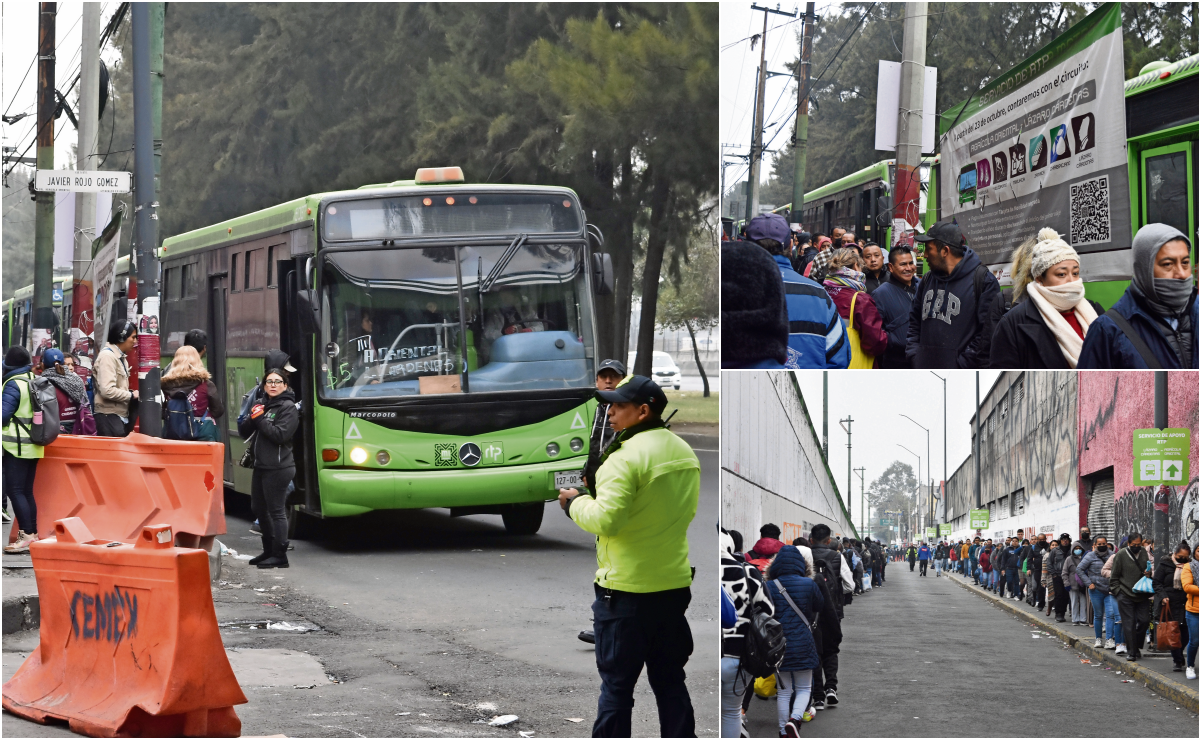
pixel 944 530
pixel 1161 457
pixel 978 519
pixel 931 533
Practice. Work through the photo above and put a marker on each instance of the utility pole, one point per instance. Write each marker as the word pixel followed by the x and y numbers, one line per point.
pixel 909 120
pixel 43 241
pixel 801 144
pixel 158 18
pixel 826 416
pixel 1164 493
pixel 944 430
pixel 752 199
pixel 862 517
pixel 146 220
pixel 85 203
pixel 846 424
pixel 976 442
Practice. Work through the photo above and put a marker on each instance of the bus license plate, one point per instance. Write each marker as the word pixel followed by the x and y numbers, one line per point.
pixel 569 479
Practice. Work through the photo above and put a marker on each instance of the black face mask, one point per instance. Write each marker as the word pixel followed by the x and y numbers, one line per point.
pixel 1102 550
pixel 1135 548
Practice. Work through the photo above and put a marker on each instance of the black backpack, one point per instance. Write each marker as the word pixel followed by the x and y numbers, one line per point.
pixel 833 581
pixel 43 427
pixel 763 646
pixel 179 417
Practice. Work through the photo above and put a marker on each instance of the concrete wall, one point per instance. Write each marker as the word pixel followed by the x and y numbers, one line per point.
pixel 772 466
pixel 1112 404
pixel 1028 444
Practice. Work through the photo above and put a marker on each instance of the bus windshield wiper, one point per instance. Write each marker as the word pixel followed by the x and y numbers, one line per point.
pixel 503 262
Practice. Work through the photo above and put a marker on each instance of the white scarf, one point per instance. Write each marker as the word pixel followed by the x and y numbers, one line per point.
pixel 1051 299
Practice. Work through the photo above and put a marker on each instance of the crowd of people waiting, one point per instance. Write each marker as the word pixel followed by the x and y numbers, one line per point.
pixel 1088 580
pixel 795 300
pixel 802 590
pixel 100 402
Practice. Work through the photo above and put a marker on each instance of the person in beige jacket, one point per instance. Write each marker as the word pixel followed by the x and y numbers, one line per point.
pixel 113 397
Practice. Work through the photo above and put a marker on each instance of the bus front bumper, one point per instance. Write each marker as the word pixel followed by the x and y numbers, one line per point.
pixel 352 491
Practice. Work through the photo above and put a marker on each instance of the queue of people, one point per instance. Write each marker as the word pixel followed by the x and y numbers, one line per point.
pixel 821 303
pixel 804 589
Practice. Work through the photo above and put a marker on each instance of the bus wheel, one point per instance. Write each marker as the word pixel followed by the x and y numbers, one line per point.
pixel 524 518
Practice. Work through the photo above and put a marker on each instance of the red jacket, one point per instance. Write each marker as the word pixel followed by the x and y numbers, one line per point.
pixel 872 337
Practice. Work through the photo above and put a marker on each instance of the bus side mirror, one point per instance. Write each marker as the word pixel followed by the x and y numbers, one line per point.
pixel 884 211
pixel 602 274
pixel 306 304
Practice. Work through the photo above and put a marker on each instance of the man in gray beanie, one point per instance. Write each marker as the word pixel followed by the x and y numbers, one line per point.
pixel 1153 326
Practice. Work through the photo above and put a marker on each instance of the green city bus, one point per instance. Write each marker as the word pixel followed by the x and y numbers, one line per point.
pixel 443 333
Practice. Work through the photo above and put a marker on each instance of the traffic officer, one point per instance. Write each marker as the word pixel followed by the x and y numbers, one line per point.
pixel 646 493
pixel 20 454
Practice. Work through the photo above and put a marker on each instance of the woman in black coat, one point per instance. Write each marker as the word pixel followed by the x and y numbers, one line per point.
pixel 1168 588
pixel 273 422
pixel 1045 328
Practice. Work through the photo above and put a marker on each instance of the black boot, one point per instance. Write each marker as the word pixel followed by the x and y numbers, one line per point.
pixel 278 559
pixel 267 548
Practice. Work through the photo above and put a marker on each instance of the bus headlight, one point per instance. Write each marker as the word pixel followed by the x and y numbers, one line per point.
pixel 552 449
pixel 382 457
pixel 358 456
pixel 577 444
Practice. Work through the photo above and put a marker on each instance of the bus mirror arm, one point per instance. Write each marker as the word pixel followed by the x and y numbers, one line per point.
pixel 602 273
pixel 306 302
pixel 884 211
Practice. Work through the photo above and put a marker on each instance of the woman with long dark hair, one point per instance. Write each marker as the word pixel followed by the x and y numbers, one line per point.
pixel 269 428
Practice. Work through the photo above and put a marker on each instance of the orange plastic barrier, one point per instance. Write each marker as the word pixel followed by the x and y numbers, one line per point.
pixel 117 486
pixel 129 640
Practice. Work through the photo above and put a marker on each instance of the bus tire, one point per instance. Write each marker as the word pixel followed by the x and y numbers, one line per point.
pixel 524 519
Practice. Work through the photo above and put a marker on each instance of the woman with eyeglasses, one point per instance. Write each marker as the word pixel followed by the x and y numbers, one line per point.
pixel 113 399
pixel 272 423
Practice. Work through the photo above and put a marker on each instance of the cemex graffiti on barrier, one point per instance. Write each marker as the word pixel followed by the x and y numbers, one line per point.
pixel 1161 457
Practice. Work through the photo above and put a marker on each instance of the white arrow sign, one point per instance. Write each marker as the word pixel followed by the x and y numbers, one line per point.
pixel 73 181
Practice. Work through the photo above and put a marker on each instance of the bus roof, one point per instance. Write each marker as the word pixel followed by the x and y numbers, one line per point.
pixel 1182 69
pixel 304 209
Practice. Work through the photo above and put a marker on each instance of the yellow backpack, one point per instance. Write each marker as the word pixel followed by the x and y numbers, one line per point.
pixel 860 360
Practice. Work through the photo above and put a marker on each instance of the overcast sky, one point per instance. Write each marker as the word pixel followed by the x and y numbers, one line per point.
pixel 18 50
pixel 875 401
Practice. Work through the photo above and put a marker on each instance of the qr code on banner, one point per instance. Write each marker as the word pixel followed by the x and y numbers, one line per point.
pixel 1090 211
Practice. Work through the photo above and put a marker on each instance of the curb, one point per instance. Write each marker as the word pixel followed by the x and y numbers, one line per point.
pixel 1185 697
pixel 21 613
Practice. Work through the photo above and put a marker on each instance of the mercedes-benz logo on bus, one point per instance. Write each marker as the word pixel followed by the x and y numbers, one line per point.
pixel 469 454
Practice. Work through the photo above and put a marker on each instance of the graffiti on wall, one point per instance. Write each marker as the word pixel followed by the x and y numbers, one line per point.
pixel 1135 512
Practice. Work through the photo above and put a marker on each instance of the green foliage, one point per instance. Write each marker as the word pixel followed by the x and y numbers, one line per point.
pixel 969 43
pixel 690 298
pixel 894 490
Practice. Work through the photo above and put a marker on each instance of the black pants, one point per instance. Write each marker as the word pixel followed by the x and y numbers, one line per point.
pixel 825 676
pixel 911 564
pixel 18 486
pixel 1136 615
pixel 110 425
pixel 268 494
pixel 924 563
pixel 633 630
pixel 1060 603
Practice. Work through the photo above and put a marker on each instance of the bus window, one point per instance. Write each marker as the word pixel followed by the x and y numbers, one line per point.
pixel 1165 183
pixel 256 269
pixel 234 283
pixel 172 275
pixel 188 279
pixel 270 267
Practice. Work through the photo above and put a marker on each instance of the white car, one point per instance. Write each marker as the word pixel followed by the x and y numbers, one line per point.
pixel 664 370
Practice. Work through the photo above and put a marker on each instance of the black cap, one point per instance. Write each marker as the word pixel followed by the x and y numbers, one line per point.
pixel 946 232
pixel 638 389
pixel 614 365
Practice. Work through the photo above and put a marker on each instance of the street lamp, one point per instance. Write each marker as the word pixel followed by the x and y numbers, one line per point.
pixel 929 466
pixel 913 525
pixel 944 435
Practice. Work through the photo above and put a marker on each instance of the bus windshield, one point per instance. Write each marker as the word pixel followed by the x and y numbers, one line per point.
pixel 451 213
pixel 391 323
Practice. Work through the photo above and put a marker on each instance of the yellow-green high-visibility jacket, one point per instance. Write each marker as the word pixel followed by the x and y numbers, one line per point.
pixel 15 439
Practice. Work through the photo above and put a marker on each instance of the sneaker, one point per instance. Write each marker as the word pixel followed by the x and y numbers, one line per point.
pixel 1109 644
pixel 831 698
pixel 255 528
pixel 791 729
pixel 1120 650
pixel 808 716
pixel 587 636
pixel 820 704
pixel 22 543
pixel 5 516
pixel 1190 673
pixel 1178 668
pixel 1097 642
pixel 275 561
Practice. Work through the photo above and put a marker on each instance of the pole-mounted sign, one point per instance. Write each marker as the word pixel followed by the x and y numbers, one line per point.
pixel 1161 457
pixel 81 181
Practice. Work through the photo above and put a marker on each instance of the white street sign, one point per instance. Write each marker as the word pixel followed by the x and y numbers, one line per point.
pixel 73 181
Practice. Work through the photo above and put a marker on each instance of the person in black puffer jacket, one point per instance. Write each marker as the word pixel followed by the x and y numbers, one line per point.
pixel 1168 587
pixel 273 423
pixel 795 674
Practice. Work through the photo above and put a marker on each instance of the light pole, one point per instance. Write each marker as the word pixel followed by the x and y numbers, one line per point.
pixel 862 517
pixel 930 466
pixel 913 526
pixel 944 435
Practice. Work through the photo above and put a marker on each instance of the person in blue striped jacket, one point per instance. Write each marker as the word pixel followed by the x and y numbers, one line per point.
pixel 816 335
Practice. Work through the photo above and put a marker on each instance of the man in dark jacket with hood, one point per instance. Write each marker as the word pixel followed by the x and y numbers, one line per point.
pixel 894 301
pixel 1159 308
pixel 950 324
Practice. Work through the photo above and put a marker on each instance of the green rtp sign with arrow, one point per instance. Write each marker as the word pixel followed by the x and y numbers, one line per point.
pixel 1161 456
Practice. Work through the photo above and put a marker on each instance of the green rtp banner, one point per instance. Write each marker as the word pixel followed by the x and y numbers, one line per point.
pixel 1161 457
pixel 931 533
pixel 944 530
pixel 978 519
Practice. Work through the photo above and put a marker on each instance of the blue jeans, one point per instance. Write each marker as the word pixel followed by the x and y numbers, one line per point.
pixel 1011 580
pixel 633 630
pixel 1105 606
pixel 1190 620
pixel 792 695
pixel 734 684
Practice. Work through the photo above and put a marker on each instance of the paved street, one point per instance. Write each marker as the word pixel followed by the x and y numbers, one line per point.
pixel 924 657
pixel 432 625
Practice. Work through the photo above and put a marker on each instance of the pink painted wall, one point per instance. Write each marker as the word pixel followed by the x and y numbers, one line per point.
pixel 1111 405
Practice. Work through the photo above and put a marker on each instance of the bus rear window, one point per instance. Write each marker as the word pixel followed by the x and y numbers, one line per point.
pixel 457 212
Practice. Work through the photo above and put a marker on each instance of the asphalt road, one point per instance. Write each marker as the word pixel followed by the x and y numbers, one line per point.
pixel 923 657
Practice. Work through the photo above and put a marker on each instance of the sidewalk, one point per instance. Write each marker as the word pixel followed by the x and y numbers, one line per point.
pixel 1154 669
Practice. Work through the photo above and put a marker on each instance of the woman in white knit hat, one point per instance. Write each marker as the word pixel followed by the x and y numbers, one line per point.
pixel 1050 317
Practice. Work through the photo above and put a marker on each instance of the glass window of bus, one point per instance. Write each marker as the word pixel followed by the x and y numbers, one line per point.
pixel 172 275
pixel 256 269
pixel 391 318
pixel 452 213
pixel 270 267
pixel 1166 182
pixel 234 282
pixel 189 279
